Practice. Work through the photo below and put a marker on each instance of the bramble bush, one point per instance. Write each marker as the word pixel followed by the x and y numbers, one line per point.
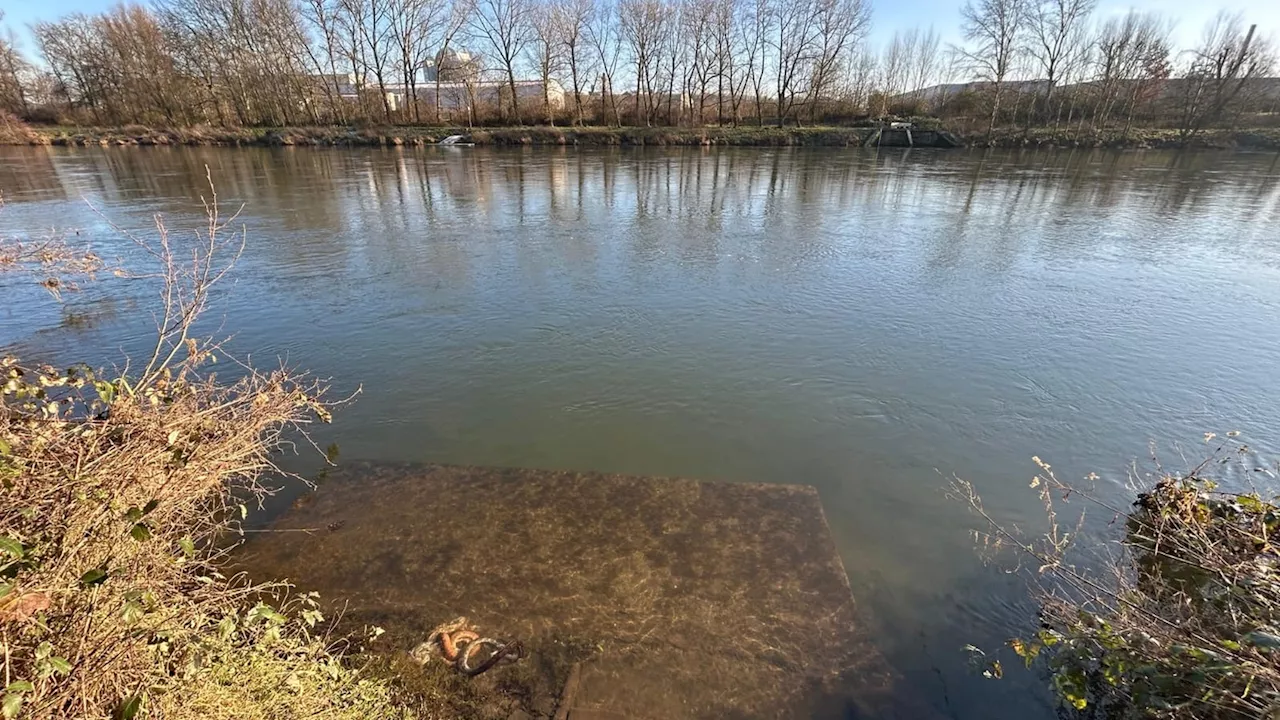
pixel 114 488
pixel 1182 622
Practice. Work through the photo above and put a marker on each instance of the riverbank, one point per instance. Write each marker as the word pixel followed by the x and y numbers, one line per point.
pixel 749 136
pixel 1133 139
pixel 426 135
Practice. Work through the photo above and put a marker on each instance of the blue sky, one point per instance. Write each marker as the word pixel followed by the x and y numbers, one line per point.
pixel 888 15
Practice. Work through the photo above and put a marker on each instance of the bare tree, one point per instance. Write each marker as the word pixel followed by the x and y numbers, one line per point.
pixel 120 64
pixel 504 26
pixel 546 48
pixel 372 22
pixel 644 27
pixel 842 25
pixel 281 62
pixel 13 93
pixel 1057 30
pixel 893 70
pixel 1221 70
pixel 862 71
pixel 923 61
pixel 454 22
pixel 463 69
pixel 737 55
pixel 699 42
pixel 724 25
pixel 415 26
pixel 754 38
pixel 321 16
pixel 574 18
pixel 992 28
pixel 250 55
pixel 603 34
pixel 794 41
pixel 671 46
pixel 1132 57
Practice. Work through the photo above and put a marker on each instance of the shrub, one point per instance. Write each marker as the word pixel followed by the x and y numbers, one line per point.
pixel 114 489
pixel 1184 623
pixel 14 131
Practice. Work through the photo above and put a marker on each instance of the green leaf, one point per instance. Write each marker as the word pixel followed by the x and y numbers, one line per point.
pixel 134 514
pixel 106 391
pixel 5 589
pixel 140 532
pixel 5 448
pixel 11 547
pixel 133 612
pixel 262 611
pixel 226 627
pixel 95 576
pixel 60 665
pixel 11 705
pixel 188 546
pixel 20 686
pixel 129 708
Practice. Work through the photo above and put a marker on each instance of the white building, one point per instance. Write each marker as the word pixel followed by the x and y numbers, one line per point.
pixel 454 95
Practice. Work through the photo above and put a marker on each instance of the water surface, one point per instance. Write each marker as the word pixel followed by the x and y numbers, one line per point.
pixel 865 323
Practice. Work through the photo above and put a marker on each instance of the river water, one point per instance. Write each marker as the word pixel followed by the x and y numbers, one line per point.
pixel 868 323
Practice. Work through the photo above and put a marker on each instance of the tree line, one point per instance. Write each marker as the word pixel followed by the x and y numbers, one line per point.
pixel 639 62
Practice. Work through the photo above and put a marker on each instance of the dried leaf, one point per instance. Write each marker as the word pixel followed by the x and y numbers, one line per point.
pixel 26 606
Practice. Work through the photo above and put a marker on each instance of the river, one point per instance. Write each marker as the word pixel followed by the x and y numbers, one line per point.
pixel 867 323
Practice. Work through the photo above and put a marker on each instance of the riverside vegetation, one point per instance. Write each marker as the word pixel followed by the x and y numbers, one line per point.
pixel 1025 68
pixel 114 489
pixel 14 132
pixel 1178 616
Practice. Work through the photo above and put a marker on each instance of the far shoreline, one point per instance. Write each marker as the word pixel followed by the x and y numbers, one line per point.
pixel 601 136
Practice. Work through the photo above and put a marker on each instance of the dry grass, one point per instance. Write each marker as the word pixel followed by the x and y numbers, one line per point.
pixel 113 488
pixel 14 131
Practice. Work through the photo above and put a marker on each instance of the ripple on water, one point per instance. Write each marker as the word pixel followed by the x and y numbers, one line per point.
pixel 868 323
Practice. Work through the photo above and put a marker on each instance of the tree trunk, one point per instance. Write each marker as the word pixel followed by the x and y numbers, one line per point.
pixel 639 81
pixel 720 98
pixel 577 96
pixel 546 100
pixel 411 83
pixel 437 97
pixel 995 110
pixel 515 105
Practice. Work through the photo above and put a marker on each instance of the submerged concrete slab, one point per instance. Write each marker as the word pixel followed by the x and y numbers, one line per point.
pixel 639 597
